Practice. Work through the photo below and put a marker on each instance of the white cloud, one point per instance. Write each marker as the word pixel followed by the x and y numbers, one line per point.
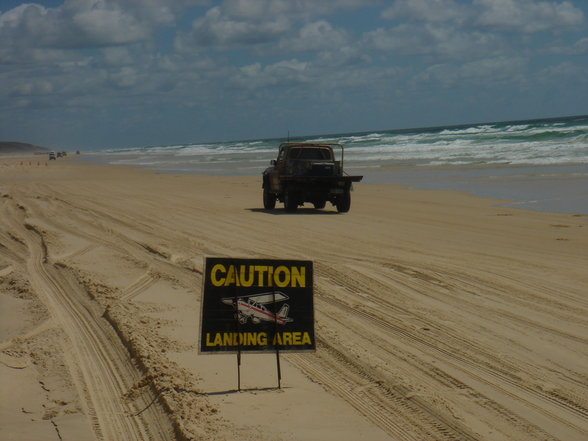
pixel 117 56
pixel 285 72
pixel 448 28
pixel 344 56
pixel 262 10
pixel 433 39
pixel 79 24
pixel 426 10
pixel 105 27
pixel 124 78
pixel 490 71
pixel 219 30
pixel 34 87
pixel 527 15
pixel 565 72
pixel 580 47
pixel 483 73
pixel 241 23
pixel 315 36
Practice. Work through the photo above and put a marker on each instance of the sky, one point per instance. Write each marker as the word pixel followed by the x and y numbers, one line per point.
pixel 97 74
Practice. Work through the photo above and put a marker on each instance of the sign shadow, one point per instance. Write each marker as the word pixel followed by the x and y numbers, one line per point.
pixel 250 389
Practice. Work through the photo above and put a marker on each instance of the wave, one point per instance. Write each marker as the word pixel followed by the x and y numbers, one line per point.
pixel 558 141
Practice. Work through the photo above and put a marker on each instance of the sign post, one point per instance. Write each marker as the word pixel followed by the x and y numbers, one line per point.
pixel 277 347
pixel 257 305
pixel 235 313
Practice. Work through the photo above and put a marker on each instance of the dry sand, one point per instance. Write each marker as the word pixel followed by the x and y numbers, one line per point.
pixel 439 316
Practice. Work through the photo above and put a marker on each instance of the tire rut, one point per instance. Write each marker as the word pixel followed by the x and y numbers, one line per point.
pixel 459 353
pixel 391 407
pixel 99 363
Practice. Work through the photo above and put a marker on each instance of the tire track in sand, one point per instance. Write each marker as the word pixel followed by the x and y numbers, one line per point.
pixel 101 366
pixel 391 407
pixel 457 354
pixel 483 374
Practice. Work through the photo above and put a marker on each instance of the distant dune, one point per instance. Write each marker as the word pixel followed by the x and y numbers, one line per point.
pixel 10 147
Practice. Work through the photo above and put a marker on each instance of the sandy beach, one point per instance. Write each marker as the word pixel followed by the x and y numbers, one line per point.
pixel 439 315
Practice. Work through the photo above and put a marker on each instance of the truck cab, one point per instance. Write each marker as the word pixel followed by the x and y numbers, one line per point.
pixel 307 172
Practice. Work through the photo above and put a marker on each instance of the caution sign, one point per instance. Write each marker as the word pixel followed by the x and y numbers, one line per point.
pixel 257 305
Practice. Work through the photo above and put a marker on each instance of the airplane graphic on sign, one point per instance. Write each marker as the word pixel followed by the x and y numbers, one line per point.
pixel 252 307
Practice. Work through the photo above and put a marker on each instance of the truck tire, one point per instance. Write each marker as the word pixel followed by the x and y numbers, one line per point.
pixel 344 202
pixel 269 199
pixel 319 204
pixel 290 202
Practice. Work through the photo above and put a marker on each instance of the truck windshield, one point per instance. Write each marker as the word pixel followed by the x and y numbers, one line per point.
pixel 309 154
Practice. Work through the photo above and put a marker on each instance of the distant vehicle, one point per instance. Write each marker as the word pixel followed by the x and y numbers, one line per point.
pixel 52 155
pixel 307 172
pixel 59 154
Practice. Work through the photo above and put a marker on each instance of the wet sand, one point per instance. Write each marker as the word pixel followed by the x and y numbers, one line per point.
pixel 439 315
pixel 552 188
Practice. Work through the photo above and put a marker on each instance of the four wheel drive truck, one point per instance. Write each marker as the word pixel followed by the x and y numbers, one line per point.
pixel 308 172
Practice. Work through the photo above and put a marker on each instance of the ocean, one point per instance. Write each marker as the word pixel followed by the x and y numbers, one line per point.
pixel 539 164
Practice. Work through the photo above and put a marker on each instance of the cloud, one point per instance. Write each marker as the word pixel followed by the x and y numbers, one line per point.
pixel 69 27
pixel 433 39
pixel 483 73
pixel 262 10
pixel 244 23
pixel 315 36
pixel 219 30
pixel 565 72
pixel 343 57
pixel 81 24
pixel 491 71
pixel 452 29
pixel 580 47
pixel 527 15
pixel 100 28
pixel 117 56
pixel 32 87
pixel 124 78
pixel 283 73
pixel 429 11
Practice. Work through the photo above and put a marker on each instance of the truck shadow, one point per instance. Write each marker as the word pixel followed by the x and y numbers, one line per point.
pixel 299 212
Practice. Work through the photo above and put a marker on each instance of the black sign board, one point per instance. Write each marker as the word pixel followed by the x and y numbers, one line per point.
pixel 257 305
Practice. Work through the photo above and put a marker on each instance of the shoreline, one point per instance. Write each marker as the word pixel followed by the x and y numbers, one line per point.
pixel 547 188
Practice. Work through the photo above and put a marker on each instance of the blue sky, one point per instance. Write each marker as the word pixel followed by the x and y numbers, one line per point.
pixel 91 74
